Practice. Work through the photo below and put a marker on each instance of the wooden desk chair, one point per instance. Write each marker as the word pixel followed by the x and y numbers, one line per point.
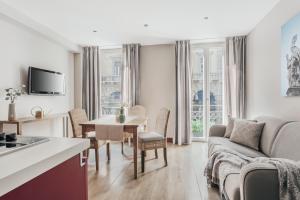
pixel 155 139
pixel 78 116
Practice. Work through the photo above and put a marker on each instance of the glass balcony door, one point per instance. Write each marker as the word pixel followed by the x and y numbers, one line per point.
pixel 207 61
pixel 110 64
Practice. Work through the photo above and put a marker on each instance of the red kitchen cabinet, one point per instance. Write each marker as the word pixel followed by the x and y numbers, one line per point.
pixel 67 181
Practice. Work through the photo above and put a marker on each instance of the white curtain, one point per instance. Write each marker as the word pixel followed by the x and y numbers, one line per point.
pixel 131 74
pixel 235 73
pixel 183 93
pixel 91 82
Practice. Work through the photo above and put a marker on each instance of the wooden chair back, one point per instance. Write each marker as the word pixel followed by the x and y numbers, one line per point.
pixel 162 120
pixel 77 116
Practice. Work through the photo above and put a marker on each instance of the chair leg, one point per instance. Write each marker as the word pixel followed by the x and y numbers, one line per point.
pixel 108 151
pixel 143 160
pixel 88 153
pixel 122 147
pixel 97 158
pixel 129 141
pixel 156 154
pixel 165 157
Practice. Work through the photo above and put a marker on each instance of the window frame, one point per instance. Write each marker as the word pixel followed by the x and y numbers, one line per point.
pixel 113 80
pixel 206 89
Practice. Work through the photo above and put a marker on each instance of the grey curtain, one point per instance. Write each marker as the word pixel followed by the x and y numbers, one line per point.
pixel 235 73
pixel 131 74
pixel 183 93
pixel 91 82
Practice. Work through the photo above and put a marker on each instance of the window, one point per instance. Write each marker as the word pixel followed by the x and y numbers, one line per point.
pixel 111 64
pixel 207 61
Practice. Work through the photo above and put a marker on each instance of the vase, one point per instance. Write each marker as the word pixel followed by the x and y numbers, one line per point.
pixel 11 112
pixel 122 118
pixel 122 115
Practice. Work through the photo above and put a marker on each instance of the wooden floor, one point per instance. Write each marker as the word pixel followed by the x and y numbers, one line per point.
pixel 183 178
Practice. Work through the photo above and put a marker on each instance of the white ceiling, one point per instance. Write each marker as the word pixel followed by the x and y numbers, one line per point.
pixel 121 21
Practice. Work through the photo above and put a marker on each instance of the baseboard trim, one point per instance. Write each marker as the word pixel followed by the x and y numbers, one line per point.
pixel 170 140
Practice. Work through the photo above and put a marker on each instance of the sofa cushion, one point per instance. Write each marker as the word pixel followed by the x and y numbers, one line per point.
pixel 232 186
pixel 150 136
pixel 229 127
pixel 217 130
pixel 222 142
pixel 286 144
pixel 247 133
pixel 269 133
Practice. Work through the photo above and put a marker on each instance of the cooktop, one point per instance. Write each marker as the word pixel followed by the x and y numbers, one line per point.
pixel 11 142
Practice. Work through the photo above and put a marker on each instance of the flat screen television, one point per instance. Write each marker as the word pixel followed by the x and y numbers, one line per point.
pixel 45 82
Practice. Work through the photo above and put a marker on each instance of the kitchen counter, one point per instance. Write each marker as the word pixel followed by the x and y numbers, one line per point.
pixel 22 166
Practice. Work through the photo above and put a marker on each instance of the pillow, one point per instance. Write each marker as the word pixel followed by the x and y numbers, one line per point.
pixel 229 127
pixel 247 133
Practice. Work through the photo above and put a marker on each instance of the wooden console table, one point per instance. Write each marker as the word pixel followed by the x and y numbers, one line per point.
pixel 19 122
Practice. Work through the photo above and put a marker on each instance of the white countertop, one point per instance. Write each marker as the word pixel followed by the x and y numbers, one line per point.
pixel 22 166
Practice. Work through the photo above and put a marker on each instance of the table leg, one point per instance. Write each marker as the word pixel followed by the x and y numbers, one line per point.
pixel 1 127
pixel 83 132
pixel 64 126
pixel 135 149
pixel 19 128
pixel 67 126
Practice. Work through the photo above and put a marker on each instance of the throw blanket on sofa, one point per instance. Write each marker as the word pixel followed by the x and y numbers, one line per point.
pixel 224 162
pixel 288 176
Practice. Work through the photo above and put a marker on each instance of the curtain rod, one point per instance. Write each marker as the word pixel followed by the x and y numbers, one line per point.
pixel 193 41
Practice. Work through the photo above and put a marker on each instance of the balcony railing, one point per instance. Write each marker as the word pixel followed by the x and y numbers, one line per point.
pixel 111 79
pixel 110 110
pixel 212 76
pixel 215 117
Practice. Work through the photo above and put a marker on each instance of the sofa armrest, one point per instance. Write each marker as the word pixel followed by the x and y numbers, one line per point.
pixel 259 181
pixel 217 131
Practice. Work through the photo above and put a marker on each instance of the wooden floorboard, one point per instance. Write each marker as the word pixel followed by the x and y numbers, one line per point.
pixel 182 179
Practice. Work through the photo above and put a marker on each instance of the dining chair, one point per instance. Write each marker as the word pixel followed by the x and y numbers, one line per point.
pixel 157 139
pixel 139 111
pixel 78 116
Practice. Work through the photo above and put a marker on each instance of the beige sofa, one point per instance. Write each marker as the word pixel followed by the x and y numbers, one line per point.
pixel 280 138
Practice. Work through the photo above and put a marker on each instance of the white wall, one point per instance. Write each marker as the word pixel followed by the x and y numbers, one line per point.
pixel 263 66
pixel 78 80
pixel 158 82
pixel 21 47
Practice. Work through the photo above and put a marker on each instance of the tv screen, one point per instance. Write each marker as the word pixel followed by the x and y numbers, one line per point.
pixel 45 82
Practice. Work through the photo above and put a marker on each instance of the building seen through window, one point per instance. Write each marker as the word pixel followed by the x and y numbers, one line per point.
pixel 111 65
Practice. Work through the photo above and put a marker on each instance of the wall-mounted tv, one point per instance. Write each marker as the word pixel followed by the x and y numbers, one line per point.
pixel 45 82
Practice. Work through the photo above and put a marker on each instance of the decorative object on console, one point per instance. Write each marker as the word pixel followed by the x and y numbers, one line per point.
pixel 38 112
pixel 290 56
pixel 11 95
